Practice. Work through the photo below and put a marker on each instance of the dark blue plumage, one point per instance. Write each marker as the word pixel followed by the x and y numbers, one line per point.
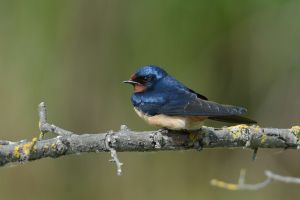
pixel 158 93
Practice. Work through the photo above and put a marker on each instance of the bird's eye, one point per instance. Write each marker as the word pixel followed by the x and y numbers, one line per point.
pixel 147 78
pixel 144 79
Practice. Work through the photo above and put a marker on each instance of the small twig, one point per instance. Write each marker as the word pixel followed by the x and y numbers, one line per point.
pixel 108 142
pixel 254 155
pixel 243 186
pixel 45 127
pixel 242 177
pixel 286 179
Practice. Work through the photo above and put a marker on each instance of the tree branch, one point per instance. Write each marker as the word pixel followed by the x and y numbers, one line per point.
pixel 67 142
pixel 243 186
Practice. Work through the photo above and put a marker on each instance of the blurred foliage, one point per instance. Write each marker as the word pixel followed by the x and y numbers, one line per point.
pixel 73 54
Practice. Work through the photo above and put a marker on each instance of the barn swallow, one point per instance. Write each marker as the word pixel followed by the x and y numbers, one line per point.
pixel 163 101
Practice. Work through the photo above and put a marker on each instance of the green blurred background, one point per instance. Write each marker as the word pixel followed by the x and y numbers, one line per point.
pixel 74 54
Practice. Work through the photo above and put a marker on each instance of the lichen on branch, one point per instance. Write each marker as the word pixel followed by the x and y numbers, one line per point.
pixel 68 142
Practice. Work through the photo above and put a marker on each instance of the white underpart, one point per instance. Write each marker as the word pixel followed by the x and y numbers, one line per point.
pixel 172 122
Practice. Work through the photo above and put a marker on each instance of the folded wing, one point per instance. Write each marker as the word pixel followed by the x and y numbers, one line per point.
pixel 188 106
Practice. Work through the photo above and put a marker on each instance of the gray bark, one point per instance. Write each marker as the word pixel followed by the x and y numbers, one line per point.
pixel 125 140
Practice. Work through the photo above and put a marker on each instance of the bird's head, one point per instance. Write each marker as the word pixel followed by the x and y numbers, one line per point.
pixel 146 77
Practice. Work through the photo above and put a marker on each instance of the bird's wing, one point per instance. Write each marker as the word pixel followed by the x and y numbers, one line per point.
pixel 179 86
pixel 188 104
pixel 200 96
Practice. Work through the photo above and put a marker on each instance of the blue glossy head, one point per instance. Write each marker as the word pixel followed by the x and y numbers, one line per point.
pixel 146 77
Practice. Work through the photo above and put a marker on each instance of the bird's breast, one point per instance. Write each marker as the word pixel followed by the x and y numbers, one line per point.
pixel 173 122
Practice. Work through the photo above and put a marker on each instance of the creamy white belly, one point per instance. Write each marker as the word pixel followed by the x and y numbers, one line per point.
pixel 172 122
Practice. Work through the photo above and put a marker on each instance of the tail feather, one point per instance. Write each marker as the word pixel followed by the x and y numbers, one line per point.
pixel 233 119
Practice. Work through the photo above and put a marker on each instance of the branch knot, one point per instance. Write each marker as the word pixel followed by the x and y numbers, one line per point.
pixel 157 139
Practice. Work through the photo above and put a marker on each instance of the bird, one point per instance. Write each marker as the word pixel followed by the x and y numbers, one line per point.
pixel 163 101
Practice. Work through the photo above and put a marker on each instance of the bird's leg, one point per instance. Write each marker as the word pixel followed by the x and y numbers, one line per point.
pixel 195 138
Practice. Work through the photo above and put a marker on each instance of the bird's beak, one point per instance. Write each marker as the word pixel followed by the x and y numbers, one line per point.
pixel 131 82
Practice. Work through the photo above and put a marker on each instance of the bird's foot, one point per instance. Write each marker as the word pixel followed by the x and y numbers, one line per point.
pixel 163 130
pixel 195 138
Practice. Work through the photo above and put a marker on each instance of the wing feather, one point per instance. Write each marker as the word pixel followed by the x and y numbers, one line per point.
pixel 187 104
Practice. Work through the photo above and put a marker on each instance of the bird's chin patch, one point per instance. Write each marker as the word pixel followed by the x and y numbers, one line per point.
pixel 139 88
